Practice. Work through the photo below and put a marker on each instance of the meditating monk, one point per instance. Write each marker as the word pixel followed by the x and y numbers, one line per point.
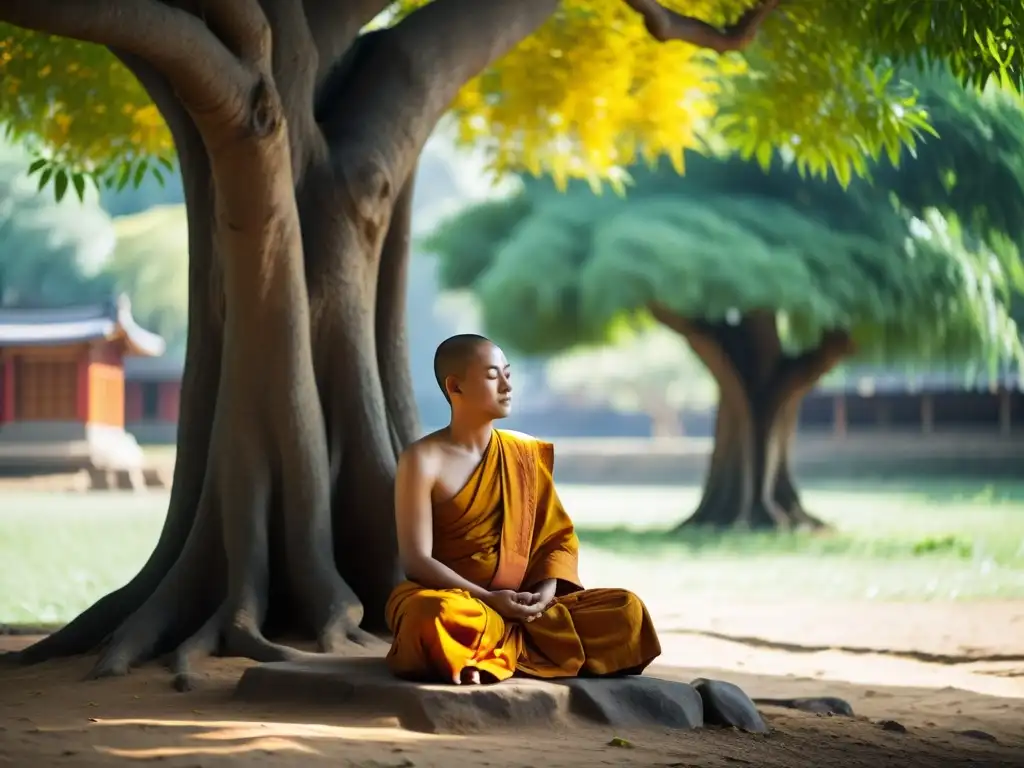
pixel 490 554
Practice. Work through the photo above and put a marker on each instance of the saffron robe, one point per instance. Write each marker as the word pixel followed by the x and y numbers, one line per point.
pixel 506 529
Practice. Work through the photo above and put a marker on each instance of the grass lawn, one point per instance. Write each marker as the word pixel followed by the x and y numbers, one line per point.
pixel 911 540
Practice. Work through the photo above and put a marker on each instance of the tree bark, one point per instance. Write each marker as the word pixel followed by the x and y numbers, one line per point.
pixel 750 483
pixel 296 397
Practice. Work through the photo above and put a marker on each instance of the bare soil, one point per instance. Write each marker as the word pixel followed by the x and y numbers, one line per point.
pixel 937 669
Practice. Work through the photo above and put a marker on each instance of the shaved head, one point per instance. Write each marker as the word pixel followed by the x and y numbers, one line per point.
pixel 453 355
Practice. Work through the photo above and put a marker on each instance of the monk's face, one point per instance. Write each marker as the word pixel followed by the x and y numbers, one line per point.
pixel 486 388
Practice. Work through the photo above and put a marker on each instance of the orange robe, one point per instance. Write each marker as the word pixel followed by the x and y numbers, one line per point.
pixel 506 529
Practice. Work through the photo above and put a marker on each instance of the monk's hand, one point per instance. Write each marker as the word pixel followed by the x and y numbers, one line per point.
pixel 510 604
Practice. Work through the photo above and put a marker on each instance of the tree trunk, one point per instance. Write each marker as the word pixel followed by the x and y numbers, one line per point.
pixel 749 483
pixel 296 396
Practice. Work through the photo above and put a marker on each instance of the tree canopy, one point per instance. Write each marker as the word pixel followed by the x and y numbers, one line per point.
pixel 554 270
pixel 592 91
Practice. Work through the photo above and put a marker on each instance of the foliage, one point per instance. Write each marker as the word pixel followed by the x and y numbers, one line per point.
pixel 976 169
pixel 53 254
pixel 62 254
pixel 76 106
pixel 588 94
pixel 727 238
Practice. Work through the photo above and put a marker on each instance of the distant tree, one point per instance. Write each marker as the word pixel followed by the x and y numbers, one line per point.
pixel 51 254
pixel 150 265
pixel 653 373
pixel 772 279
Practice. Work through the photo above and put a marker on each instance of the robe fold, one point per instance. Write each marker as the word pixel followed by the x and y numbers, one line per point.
pixel 506 529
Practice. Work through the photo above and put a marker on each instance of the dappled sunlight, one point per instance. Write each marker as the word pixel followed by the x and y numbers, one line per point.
pixel 258 745
pixel 382 729
pixel 241 737
pixel 822 668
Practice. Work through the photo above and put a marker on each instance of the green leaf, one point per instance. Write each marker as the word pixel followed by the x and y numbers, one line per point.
pixel 140 173
pixel 60 184
pixel 37 165
pixel 126 176
pixel 78 180
pixel 43 178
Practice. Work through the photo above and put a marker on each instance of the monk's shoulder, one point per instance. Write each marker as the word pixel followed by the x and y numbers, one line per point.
pixel 545 449
pixel 422 456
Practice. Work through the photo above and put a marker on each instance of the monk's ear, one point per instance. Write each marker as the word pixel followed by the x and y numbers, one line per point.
pixel 451 385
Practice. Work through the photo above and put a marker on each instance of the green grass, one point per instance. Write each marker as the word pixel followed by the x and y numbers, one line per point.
pixel 913 540
pixel 907 540
pixel 59 552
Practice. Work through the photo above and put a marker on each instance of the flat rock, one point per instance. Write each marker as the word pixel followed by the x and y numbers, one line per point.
pixel 726 704
pixel 367 686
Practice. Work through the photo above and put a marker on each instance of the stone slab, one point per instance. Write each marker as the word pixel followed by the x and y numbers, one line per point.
pixel 366 686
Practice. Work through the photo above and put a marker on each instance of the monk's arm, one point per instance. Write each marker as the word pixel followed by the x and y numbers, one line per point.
pixel 555 557
pixel 414 521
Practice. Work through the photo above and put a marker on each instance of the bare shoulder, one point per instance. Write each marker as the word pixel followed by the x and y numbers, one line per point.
pixel 424 456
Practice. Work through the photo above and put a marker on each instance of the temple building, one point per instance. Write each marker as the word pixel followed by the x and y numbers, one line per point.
pixel 152 397
pixel 62 387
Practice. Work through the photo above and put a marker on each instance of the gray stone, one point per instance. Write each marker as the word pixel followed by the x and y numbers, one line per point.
pixel 366 686
pixel 818 705
pixel 980 735
pixel 892 726
pixel 726 704
pixel 636 701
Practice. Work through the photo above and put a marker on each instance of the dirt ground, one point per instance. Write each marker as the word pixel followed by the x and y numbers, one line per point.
pixel 938 669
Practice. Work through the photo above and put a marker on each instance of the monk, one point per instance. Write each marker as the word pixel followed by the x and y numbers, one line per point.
pixel 490 554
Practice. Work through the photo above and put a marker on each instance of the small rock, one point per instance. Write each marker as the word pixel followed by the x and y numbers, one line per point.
pixel 726 704
pixel 617 741
pixel 892 725
pixel 981 735
pixel 819 705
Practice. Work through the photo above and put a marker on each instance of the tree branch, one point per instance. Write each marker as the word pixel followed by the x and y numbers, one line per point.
pixel 294 65
pixel 665 24
pixel 705 345
pixel 390 325
pixel 335 25
pixel 203 72
pixel 242 27
pixel 800 373
pixel 405 78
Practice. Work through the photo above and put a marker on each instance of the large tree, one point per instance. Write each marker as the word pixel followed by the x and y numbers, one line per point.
pixel 772 280
pixel 297 128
